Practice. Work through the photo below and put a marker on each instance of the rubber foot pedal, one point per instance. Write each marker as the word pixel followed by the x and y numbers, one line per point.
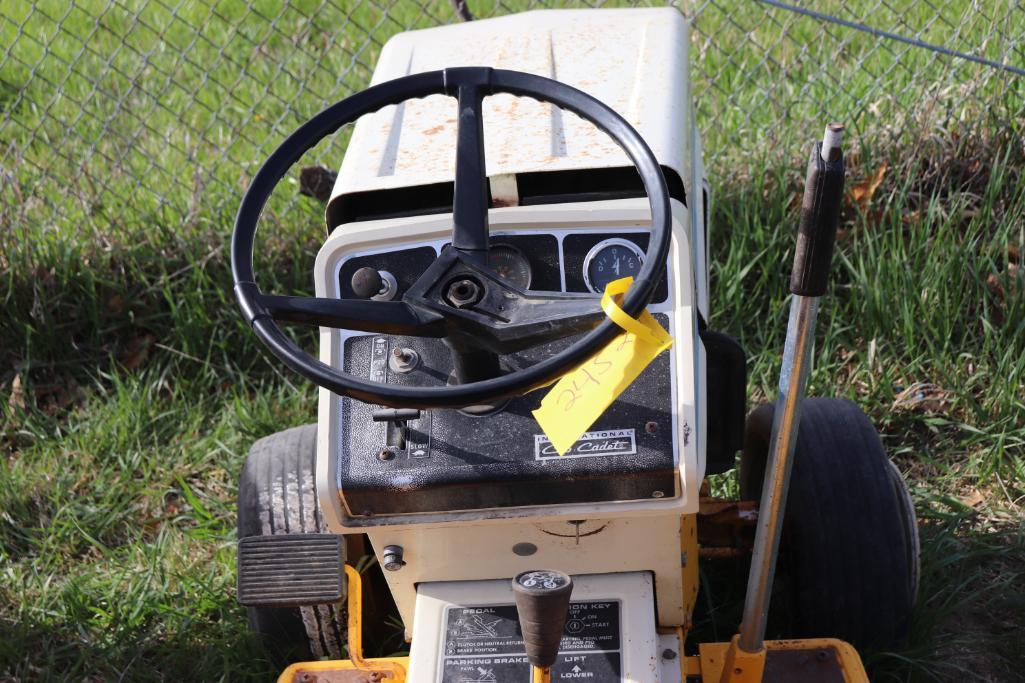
pixel 290 570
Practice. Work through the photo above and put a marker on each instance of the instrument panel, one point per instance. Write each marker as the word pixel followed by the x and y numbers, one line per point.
pixel 451 460
pixel 580 262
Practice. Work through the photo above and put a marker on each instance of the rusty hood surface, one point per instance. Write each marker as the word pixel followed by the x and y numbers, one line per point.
pixel 634 60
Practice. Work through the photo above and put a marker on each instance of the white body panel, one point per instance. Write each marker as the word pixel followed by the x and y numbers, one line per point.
pixel 641 535
pixel 687 361
pixel 634 60
pixel 478 551
pixel 639 641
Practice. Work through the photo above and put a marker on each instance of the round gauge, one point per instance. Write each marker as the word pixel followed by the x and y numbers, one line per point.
pixel 610 260
pixel 510 264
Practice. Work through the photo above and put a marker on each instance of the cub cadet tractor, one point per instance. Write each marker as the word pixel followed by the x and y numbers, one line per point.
pixel 521 397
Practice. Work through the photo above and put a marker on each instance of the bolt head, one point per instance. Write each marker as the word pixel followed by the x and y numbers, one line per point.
pixel 463 293
pixel 385 454
pixel 391 558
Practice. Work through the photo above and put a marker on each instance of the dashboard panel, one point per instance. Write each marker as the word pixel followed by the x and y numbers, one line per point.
pixel 450 460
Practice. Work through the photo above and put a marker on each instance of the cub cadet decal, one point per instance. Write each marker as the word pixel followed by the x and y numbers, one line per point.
pixel 589 445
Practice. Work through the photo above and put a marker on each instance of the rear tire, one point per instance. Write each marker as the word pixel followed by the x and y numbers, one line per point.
pixel 277 495
pixel 848 560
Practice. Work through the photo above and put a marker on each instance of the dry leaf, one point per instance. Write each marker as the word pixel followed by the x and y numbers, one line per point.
pixel 317 182
pixel 1014 272
pixel 912 218
pixel 973 499
pixel 863 190
pixel 59 395
pixel 172 503
pixel 923 397
pixel 16 399
pixel 116 304
pixel 993 282
pixel 138 350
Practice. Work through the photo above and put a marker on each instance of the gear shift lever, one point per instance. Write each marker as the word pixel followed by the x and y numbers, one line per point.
pixel 542 601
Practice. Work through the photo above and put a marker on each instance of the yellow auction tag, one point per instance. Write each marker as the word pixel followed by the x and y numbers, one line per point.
pixel 582 395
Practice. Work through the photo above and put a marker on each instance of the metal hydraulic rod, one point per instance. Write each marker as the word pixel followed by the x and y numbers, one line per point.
pixel 793 380
pixel 819 216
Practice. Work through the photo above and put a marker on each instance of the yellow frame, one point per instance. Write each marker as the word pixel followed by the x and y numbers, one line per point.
pixel 392 668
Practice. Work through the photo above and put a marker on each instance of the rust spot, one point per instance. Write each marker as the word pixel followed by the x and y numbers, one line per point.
pixel 435 130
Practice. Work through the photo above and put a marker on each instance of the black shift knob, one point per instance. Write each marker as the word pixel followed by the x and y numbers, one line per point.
pixel 820 214
pixel 542 601
pixel 367 282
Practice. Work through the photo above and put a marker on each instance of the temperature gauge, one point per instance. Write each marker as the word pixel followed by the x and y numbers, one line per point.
pixel 510 264
pixel 610 260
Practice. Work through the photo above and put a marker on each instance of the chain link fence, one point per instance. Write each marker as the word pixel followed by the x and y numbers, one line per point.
pixel 151 114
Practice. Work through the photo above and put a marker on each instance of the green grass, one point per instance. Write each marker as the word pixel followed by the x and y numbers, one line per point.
pixel 130 390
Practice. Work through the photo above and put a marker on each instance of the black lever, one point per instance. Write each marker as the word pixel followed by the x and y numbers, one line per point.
pixel 542 601
pixel 395 414
pixel 820 213
pixel 396 419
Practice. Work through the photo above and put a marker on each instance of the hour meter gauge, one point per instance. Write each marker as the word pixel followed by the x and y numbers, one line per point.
pixel 610 260
pixel 510 264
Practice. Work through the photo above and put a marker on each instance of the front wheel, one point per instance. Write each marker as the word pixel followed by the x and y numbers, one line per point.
pixel 848 559
pixel 277 495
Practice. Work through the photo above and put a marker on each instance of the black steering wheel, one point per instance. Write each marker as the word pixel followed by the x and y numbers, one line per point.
pixel 458 298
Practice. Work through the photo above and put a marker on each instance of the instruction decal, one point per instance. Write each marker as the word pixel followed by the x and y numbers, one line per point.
pixel 483 645
pixel 379 360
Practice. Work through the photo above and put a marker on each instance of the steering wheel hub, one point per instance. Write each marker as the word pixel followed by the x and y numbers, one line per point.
pixel 464 293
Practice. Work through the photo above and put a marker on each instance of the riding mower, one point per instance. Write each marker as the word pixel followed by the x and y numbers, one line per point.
pixel 521 397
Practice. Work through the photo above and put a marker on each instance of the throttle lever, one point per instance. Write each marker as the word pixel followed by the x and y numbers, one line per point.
pixel 397 428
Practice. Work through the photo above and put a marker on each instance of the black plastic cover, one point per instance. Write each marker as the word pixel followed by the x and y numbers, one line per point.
pixel 726 398
pixel 456 461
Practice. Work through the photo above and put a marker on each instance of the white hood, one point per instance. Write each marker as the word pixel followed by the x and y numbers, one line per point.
pixel 634 60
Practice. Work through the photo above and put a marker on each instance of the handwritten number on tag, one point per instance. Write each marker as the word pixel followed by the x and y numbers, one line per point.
pixel 583 394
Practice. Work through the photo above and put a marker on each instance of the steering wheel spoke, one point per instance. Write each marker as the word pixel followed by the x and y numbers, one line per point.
pixel 384 317
pixel 540 317
pixel 470 198
pixel 501 318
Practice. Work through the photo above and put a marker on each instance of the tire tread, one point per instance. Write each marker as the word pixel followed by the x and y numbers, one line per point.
pixel 277 495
